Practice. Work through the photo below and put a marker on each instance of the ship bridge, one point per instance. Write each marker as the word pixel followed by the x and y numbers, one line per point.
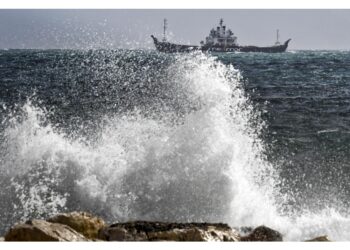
pixel 221 37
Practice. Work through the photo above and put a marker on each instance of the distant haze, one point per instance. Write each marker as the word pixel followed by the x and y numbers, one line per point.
pixel 111 29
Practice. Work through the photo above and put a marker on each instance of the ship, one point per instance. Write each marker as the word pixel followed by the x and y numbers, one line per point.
pixel 218 40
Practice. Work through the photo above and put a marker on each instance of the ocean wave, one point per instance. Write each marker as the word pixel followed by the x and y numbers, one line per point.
pixel 208 165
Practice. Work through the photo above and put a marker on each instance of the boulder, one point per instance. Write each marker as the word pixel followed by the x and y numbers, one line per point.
pixel 162 231
pixel 116 233
pixel 193 234
pixel 40 230
pixel 263 233
pixel 320 238
pixel 82 222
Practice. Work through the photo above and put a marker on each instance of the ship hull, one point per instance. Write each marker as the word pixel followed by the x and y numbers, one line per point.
pixel 167 47
pixel 172 47
pixel 272 49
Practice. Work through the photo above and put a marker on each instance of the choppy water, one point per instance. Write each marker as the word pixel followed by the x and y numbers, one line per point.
pixel 245 139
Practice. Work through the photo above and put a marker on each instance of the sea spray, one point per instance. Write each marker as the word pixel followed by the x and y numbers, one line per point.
pixel 194 169
pixel 201 161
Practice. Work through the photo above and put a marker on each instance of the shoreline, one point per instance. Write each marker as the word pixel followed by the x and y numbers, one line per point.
pixel 82 226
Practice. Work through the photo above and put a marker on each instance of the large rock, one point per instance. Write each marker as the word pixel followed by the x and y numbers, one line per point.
pixel 40 230
pixel 82 222
pixel 320 238
pixel 162 231
pixel 263 233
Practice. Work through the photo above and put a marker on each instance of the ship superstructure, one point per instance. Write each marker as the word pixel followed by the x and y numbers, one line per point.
pixel 220 37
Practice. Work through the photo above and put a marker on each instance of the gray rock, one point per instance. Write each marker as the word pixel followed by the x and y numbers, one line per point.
pixel 40 230
pixel 263 233
pixel 162 231
pixel 122 234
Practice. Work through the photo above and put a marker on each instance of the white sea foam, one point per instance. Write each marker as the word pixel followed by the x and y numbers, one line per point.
pixel 211 166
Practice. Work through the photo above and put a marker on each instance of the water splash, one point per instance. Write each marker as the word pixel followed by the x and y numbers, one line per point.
pixel 207 164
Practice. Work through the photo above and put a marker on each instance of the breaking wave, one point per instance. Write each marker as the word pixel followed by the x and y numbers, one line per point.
pixel 208 164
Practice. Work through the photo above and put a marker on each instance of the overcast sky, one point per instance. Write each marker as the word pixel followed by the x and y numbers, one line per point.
pixel 309 29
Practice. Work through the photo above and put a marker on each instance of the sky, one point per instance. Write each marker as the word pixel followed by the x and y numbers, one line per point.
pixel 122 28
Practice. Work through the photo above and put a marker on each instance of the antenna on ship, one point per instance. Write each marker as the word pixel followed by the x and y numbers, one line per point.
pixel 277 38
pixel 164 29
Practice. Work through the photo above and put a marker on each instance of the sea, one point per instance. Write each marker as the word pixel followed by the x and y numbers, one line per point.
pixel 246 139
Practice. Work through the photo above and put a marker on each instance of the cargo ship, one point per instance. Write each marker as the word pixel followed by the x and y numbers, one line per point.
pixel 218 40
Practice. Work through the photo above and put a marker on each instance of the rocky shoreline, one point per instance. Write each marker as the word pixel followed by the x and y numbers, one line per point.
pixel 82 226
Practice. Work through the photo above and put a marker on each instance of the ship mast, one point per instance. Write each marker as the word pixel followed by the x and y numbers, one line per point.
pixel 165 25
pixel 277 37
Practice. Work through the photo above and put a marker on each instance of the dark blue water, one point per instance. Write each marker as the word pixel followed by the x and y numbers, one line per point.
pixel 299 116
pixel 306 97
